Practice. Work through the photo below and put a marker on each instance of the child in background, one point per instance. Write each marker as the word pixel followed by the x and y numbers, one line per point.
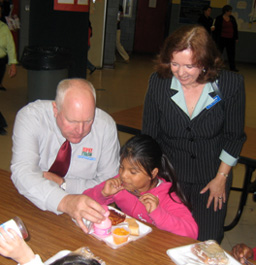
pixel 242 252
pixel 146 188
pixel 16 248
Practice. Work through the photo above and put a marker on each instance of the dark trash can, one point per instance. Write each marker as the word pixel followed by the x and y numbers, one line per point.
pixel 46 67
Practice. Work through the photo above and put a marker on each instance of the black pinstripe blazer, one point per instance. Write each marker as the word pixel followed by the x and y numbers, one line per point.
pixel 194 146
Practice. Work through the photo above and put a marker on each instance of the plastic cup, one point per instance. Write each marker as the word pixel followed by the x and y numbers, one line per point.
pixel 17 225
pixel 120 234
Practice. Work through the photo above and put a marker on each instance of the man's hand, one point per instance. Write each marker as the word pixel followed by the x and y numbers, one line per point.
pixel 82 206
pixel 53 177
pixel 15 247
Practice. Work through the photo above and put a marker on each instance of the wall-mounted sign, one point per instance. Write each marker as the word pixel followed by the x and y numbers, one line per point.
pixel 190 10
pixel 72 5
pixel 218 3
pixel 127 8
pixel 152 3
pixel 245 14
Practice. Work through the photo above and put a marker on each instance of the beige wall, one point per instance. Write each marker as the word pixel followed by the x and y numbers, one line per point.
pixel 97 18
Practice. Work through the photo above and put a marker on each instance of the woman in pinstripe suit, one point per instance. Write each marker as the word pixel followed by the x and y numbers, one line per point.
pixel 195 110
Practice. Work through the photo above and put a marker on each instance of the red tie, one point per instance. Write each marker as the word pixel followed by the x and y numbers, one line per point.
pixel 61 164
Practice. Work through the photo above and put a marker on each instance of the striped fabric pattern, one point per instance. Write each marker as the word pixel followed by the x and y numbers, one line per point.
pixel 194 146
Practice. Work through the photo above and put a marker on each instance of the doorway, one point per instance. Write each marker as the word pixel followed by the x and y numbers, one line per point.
pixel 152 25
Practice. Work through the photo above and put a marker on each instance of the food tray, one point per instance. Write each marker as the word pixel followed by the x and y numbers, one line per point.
pixel 59 255
pixel 184 256
pixel 83 251
pixel 144 230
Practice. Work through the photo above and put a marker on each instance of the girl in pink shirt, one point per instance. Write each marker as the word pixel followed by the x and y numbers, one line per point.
pixel 146 188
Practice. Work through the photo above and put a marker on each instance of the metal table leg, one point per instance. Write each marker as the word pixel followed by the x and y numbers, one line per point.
pixel 248 186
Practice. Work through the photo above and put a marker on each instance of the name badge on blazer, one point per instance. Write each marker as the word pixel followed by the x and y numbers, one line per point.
pixel 216 100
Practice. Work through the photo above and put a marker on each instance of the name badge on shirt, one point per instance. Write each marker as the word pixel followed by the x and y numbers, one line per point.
pixel 87 154
pixel 216 100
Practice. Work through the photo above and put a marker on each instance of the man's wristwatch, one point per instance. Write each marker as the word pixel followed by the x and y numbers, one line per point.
pixel 63 185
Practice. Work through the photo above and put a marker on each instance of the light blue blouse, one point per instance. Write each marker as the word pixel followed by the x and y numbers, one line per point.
pixel 204 101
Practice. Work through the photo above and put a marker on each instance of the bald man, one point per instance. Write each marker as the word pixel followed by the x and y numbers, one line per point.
pixel 41 128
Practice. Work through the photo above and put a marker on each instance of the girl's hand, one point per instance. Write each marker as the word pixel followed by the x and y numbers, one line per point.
pixel 150 202
pixel 15 247
pixel 112 186
pixel 217 192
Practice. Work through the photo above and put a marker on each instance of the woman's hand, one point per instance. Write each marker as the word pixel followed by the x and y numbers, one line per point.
pixel 217 192
pixel 150 202
pixel 112 186
pixel 241 252
pixel 15 247
pixel 217 187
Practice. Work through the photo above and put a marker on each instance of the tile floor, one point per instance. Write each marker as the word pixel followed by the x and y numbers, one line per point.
pixel 124 87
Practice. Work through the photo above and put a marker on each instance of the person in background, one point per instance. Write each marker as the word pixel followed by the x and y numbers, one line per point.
pixel 90 66
pixel 7 52
pixel 226 35
pixel 7 56
pixel 7 8
pixel 206 20
pixel 16 248
pixel 195 110
pixel 242 253
pixel 3 124
pixel 42 128
pixel 119 46
pixel 146 188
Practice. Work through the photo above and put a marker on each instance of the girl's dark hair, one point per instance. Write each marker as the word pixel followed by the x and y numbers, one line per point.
pixel 75 259
pixel 145 152
pixel 205 53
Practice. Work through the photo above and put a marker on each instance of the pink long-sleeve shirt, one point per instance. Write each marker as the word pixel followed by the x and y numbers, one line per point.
pixel 172 216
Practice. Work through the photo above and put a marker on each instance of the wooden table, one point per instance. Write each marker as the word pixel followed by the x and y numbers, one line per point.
pixel 50 233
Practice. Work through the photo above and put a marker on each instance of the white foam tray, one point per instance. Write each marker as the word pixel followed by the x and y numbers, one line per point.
pixel 144 230
pixel 59 255
pixel 184 256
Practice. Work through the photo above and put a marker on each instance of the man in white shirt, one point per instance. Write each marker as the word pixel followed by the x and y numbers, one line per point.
pixel 41 128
